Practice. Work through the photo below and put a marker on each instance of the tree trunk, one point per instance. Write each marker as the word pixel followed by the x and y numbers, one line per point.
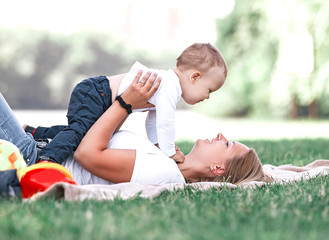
pixel 294 108
pixel 313 111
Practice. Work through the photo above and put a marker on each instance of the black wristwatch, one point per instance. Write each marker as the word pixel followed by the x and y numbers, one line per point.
pixel 123 104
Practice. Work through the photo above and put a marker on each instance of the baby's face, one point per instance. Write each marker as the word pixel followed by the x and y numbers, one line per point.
pixel 200 90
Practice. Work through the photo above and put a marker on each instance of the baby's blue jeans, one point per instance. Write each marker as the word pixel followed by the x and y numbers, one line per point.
pixel 89 100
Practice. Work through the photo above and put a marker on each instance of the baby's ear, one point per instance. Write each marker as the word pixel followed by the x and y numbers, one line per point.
pixel 218 170
pixel 195 76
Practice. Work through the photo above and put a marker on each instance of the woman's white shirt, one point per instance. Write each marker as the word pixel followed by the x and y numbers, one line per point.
pixel 152 166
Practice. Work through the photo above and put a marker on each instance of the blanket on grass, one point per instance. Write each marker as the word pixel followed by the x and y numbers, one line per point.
pixel 283 174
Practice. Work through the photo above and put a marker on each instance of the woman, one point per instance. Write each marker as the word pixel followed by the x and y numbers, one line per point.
pixel 133 158
pixel 138 160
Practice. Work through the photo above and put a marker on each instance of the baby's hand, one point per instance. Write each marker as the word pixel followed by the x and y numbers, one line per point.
pixel 179 156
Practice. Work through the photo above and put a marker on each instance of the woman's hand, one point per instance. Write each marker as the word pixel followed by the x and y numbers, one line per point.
pixel 141 90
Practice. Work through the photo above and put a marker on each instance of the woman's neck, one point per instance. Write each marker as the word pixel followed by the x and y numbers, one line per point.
pixel 193 168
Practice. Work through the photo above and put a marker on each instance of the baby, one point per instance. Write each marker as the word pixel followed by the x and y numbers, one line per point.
pixel 200 70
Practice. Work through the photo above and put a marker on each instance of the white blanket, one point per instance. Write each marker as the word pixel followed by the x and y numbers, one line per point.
pixel 283 174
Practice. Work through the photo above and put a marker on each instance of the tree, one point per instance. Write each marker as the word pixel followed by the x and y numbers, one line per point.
pixel 26 62
pixel 250 49
pixel 276 52
pixel 301 74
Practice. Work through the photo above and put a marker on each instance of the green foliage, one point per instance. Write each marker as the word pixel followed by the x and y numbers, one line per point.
pixel 250 50
pixel 264 75
pixel 300 18
pixel 39 69
pixel 47 66
pixel 26 59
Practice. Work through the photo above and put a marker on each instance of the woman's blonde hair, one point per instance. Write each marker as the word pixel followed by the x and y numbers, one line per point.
pixel 244 168
pixel 240 169
pixel 201 56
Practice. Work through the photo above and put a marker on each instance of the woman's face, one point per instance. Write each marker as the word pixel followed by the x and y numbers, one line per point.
pixel 218 150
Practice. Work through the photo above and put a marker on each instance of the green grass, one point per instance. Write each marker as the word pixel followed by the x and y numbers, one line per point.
pixel 295 211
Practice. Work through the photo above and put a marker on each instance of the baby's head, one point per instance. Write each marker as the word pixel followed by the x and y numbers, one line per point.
pixel 201 70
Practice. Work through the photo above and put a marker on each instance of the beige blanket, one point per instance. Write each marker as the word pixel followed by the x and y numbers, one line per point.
pixel 283 174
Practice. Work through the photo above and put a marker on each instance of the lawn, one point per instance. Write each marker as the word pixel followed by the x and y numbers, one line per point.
pixel 296 211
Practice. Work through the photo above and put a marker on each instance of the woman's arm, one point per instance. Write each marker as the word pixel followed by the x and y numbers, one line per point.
pixel 115 165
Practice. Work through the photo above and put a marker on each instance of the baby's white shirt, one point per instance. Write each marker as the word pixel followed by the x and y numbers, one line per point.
pixel 160 121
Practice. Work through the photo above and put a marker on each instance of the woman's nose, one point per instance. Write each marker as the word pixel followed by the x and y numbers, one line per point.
pixel 221 137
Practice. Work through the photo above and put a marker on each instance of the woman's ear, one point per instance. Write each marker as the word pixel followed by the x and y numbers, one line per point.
pixel 218 170
pixel 195 76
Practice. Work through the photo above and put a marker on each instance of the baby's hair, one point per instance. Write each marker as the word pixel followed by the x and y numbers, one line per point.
pixel 201 56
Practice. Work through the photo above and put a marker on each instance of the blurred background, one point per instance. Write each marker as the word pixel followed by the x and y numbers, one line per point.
pixel 276 50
